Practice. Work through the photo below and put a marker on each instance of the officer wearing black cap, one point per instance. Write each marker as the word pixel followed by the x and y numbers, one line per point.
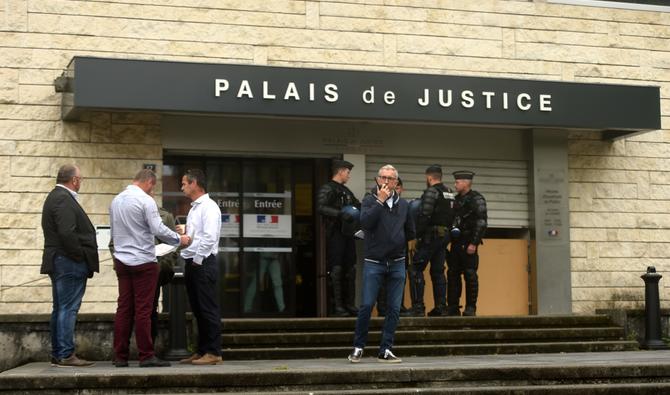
pixel 331 198
pixel 471 220
pixel 436 214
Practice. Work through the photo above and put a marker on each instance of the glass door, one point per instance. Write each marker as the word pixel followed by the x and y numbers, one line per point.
pixel 266 230
pixel 267 270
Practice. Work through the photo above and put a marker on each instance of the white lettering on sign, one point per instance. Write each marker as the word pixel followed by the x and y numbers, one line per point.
pixel 524 101
pixel 292 91
pixel 228 203
pixel 220 85
pixel 331 95
pixel 523 107
pixel 467 99
pixel 545 102
pixel 369 95
pixel 268 204
pixel 245 90
pixel 266 94
pixel 389 97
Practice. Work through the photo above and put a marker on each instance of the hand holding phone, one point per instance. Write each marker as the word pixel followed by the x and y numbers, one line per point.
pixel 383 192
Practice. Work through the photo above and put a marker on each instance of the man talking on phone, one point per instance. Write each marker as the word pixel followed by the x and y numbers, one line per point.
pixel 388 227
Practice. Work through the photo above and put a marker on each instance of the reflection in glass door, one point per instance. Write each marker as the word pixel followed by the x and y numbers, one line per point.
pixel 256 249
pixel 266 271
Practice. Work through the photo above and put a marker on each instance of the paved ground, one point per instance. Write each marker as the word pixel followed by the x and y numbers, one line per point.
pixel 632 359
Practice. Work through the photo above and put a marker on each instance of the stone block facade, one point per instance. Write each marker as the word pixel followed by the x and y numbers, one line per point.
pixel 619 191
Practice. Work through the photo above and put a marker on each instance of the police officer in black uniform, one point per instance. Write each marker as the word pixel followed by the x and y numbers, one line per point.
pixel 436 214
pixel 340 245
pixel 471 220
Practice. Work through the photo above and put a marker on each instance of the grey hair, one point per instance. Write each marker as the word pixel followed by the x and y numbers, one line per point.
pixel 65 173
pixel 388 167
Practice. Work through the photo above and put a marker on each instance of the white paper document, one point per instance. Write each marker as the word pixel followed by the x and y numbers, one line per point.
pixel 164 249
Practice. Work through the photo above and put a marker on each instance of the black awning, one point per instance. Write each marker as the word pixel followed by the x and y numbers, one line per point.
pixel 230 89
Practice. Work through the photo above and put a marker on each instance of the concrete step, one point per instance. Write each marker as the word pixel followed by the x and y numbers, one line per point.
pixel 427 336
pixel 573 389
pixel 636 372
pixel 318 352
pixel 236 325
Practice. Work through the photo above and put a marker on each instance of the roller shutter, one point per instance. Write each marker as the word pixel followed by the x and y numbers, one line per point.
pixel 504 183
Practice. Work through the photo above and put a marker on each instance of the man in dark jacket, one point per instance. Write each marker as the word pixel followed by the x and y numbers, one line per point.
pixel 388 227
pixel 70 258
pixel 463 258
pixel 340 244
pixel 436 214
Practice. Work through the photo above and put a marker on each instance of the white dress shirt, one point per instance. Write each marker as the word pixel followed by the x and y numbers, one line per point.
pixel 203 226
pixel 135 221
pixel 74 194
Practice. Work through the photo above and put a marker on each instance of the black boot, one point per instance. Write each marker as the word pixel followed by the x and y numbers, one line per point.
pixel 416 287
pixel 471 292
pixel 470 311
pixel 453 311
pixel 338 305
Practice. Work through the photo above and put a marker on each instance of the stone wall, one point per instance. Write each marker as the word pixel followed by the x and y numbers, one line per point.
pixel 620 193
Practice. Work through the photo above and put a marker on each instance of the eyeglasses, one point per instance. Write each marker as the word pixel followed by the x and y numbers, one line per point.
pixel 387 178
pixel 78 178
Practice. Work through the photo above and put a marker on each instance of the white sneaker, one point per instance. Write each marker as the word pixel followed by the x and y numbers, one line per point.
pixel 356 355
pixel 388 357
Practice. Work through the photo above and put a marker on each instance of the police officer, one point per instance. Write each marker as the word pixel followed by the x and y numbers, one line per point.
pixel 436 214
pixel 340 246
pixel 463 259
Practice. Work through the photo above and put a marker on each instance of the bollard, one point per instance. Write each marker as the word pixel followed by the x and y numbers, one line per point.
pixel 177 337
pixel 652 311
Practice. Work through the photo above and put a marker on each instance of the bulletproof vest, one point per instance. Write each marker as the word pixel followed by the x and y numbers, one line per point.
pixel 443 213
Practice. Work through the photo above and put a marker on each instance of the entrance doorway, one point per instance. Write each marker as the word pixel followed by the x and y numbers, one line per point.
pixel 267 246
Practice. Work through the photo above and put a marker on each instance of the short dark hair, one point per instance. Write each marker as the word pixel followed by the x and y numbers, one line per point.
pixel 198 176
pixel 145 175
pixel 65 173
pixel 434 171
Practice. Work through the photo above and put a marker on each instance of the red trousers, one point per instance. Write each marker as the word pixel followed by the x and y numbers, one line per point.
pixel 137 288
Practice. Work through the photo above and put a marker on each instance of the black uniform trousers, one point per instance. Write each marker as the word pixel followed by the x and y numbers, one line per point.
pixel 459 262
pixel 202 284
pixel 340 249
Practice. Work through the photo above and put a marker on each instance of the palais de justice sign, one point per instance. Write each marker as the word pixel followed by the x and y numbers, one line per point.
pixel 248 90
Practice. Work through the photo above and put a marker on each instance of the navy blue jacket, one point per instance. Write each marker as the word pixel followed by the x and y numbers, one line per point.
pixel 387 231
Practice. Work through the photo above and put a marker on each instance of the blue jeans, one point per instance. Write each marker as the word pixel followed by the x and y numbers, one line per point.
pixel 68 283
pixel 391 272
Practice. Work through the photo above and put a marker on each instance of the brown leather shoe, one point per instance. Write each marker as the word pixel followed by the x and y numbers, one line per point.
pixel 189 360
pixel 208 359
pixel 73 362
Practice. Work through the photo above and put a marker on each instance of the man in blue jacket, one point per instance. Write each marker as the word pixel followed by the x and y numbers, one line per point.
pixel 388 227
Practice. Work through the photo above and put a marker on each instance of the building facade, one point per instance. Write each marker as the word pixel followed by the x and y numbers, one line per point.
pixel 604 193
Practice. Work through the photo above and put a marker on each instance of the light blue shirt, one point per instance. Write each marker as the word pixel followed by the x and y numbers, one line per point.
pixel 135 221
pixel 203 225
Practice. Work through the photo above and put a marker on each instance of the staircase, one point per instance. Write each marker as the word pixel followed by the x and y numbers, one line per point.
pixel 306 338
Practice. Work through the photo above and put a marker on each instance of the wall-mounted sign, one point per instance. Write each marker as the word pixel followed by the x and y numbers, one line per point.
pixel 267 225
pixel 118 84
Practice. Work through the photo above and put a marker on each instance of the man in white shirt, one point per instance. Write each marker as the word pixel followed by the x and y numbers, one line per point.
pixel 135 221
pixel 201 273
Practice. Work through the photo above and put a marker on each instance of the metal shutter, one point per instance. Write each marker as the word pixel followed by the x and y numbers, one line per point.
pixel 504 183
